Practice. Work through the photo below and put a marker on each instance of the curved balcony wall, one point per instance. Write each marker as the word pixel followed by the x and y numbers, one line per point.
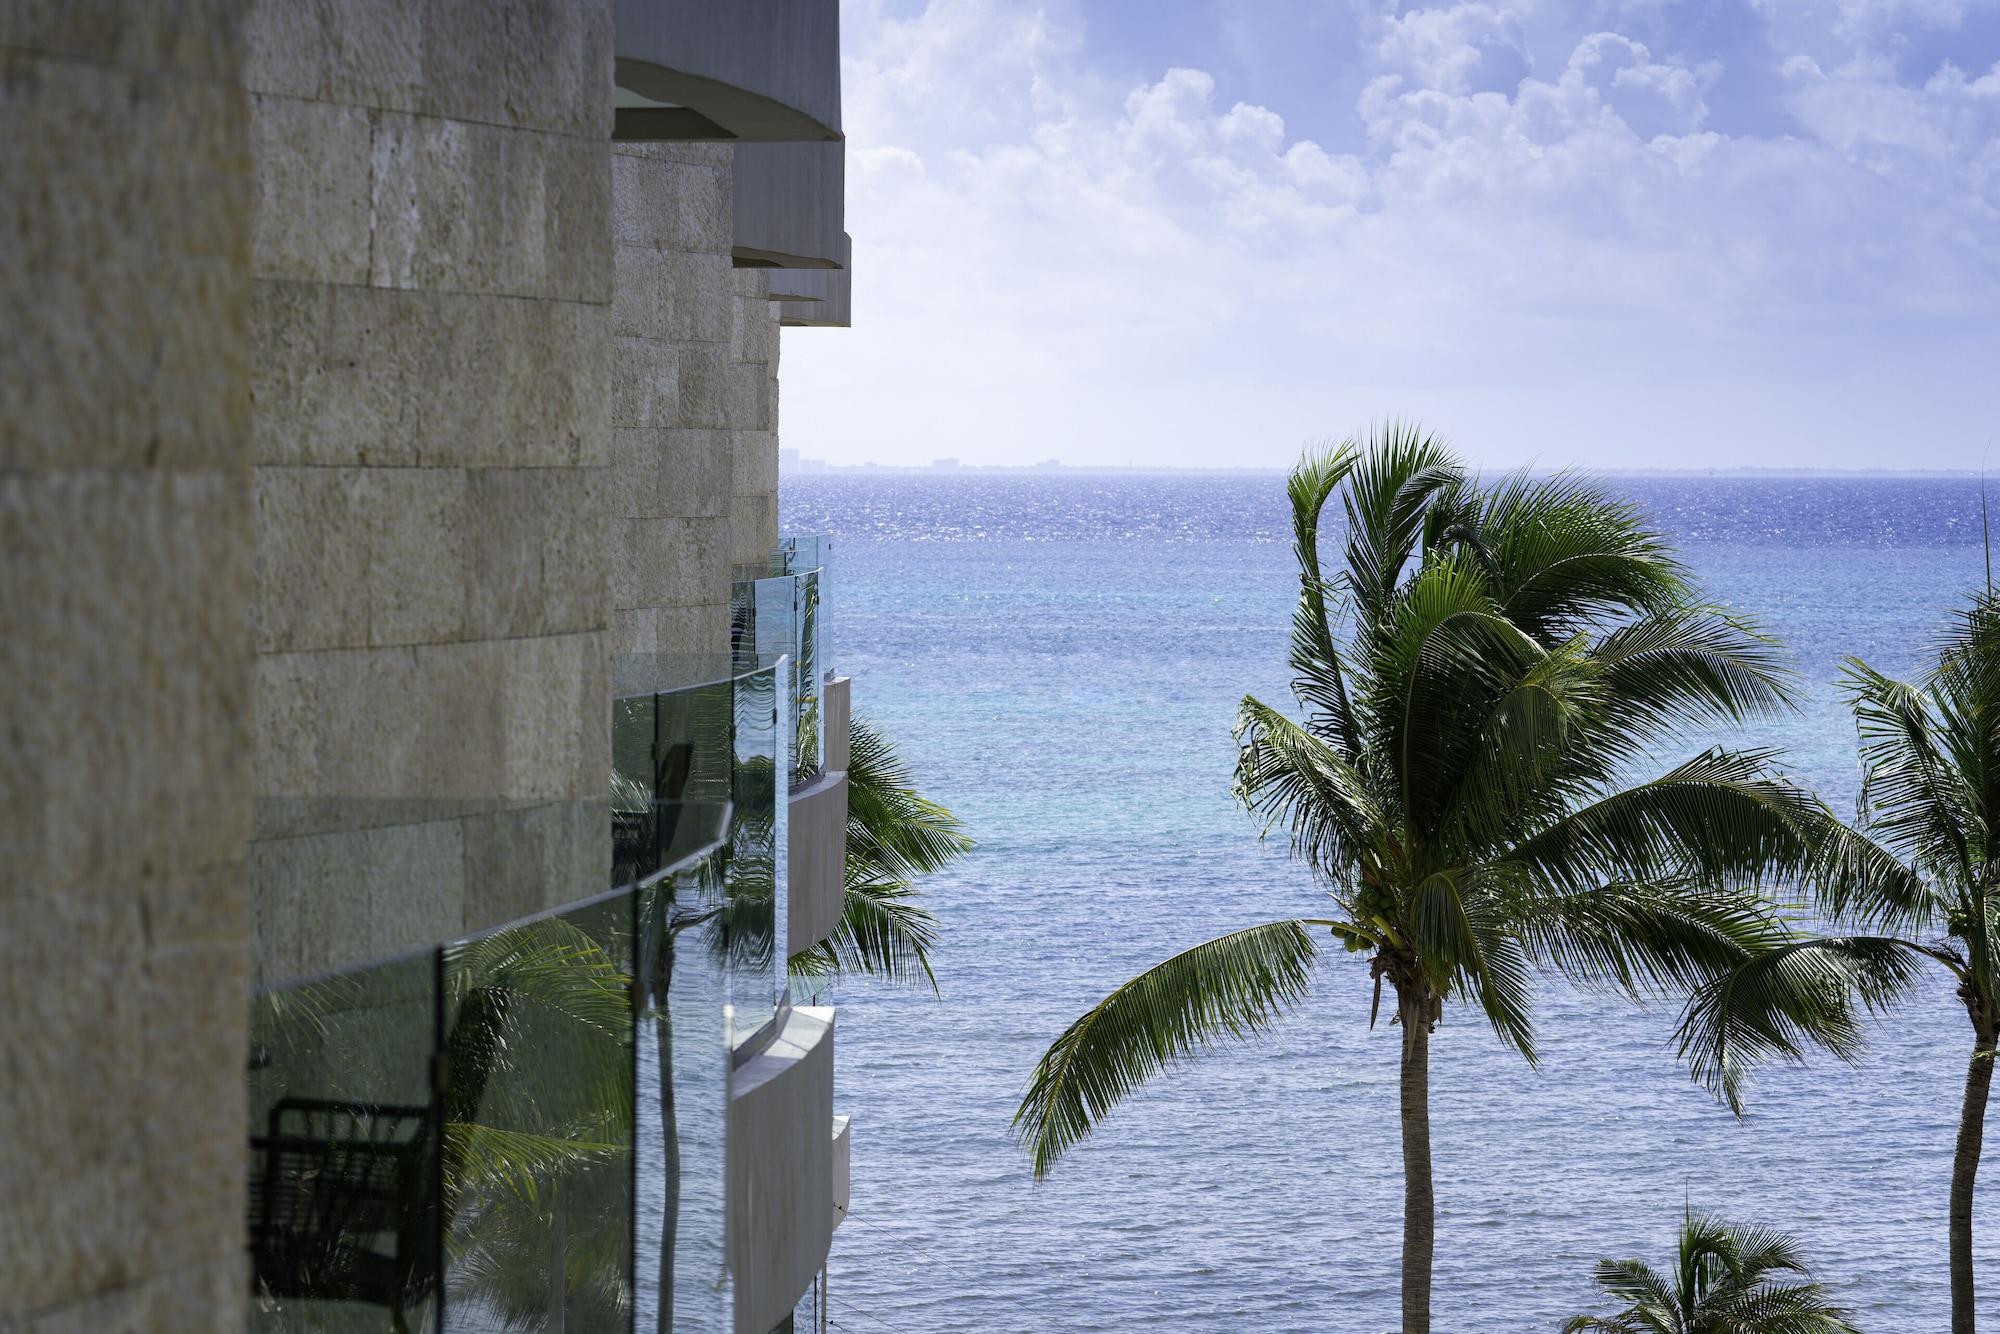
pixel 780 1206
pixel 790 207
pixel 818 861
pixel 843 1158
pixel 751 70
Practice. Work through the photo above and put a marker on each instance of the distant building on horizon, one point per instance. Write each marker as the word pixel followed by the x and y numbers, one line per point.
pixel 944 465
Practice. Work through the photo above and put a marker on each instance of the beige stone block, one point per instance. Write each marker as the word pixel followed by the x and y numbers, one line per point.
pixel 635 471
pixel 528 860
pixel 358 375
pixel 126 234
pixel 202 39
pixel 512 382
pixel 635 630
pixel 638 551
pixel 638 291
pixel 695 474
pixel 755 334
pixel 755 463
pixel 693 152
pixel 646 383
pixel 383 723
pixel 331 381
pixel 707 382
pixel 335 900
pixel 72 1060
pixel 193 1036
pixel 310 164
pixel 753 528
pixel 752 390
pixel 420 539
pixel 355 52
pixel 694 629
pixel 672 205
pixel 314 534
pixel 415 883
pixel 539 552
pixel 209 1297
pixel 700 296
pixel 465 207
pixel 559 74
pixel 127 653
pixel 553 694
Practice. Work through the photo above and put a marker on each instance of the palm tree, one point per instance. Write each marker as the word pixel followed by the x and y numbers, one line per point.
pixel 1930 796
pixel 1476 680
pixel 1727 1281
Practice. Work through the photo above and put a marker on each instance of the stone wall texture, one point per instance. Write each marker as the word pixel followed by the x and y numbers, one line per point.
pixel 694 413
pixel 125 663
pixel 432 433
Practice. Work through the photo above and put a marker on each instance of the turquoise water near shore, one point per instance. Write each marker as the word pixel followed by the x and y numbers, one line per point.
pixel 1060 657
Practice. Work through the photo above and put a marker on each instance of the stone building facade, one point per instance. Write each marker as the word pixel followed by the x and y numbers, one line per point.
pixel 366 390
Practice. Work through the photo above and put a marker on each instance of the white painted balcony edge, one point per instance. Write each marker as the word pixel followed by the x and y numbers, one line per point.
pixel 780 1202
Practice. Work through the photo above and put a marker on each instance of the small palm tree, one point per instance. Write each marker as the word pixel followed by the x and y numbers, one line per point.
pixel 1930 795
pixel 1509 654
pixel 1728 1281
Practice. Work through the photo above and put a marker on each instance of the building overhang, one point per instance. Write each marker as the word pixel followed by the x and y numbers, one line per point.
pixel 755 71
pixel 816 298
pixel 790 204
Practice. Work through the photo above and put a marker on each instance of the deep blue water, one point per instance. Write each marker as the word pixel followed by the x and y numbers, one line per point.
pixel 1059 658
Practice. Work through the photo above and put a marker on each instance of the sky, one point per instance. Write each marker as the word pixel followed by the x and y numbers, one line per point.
pixel 1608 233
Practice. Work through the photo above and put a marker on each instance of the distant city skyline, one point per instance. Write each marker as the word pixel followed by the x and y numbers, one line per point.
pixel 1618 234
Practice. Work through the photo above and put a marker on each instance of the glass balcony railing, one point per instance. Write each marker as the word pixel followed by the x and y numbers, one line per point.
pixel 777 608
pixel 698 764
pixel 525 1128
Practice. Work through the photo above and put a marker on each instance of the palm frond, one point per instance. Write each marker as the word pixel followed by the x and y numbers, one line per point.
pixel 1231 987
pixel 884 931
pixel 1319 673
pixel 1779 1001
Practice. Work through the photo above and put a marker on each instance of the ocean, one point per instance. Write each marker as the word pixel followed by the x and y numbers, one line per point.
pixel 1059 657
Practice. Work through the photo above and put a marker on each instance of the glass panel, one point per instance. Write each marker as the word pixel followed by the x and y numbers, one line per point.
pixel 680 1278
pixel 757 881
pixel 343 1169
pixel 811 745
pixel 671 761
pixel 538 1124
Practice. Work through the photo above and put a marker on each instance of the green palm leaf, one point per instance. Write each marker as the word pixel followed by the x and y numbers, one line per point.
pixel 1231 987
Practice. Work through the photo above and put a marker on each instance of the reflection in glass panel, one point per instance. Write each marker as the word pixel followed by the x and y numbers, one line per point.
pixel 538 1124
pixel 756 883
pixel 671 763
pixel 343 1177
pixel 680 1278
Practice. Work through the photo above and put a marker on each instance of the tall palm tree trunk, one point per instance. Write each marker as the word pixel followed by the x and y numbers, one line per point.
pixel 1965 1163
pixel 1419 1201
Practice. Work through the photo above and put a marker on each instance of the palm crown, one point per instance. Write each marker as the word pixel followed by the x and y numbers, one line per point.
pixel 1920 879
pixel 1726 1280
pixel 1476 681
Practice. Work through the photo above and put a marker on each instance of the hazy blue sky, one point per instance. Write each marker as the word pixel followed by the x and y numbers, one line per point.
pixel 1609 232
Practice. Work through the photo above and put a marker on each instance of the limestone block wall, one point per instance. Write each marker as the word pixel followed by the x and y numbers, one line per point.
pixel 431 329
pixel 694 412
pixel 125 660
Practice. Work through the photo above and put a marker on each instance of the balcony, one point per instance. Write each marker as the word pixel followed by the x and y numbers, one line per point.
pixel 529 1126
pixel 781 1173
pixel 752 70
